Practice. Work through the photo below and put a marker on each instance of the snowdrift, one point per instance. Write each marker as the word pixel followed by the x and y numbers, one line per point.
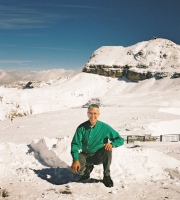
pixel 128 164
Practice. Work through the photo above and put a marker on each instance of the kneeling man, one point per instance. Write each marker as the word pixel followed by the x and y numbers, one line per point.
pixel 92 138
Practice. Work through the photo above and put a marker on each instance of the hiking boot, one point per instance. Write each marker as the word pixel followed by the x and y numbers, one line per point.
pixel 83 178
pixel 108 181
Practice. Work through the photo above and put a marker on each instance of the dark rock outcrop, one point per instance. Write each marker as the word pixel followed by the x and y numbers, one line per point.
pixel 119 73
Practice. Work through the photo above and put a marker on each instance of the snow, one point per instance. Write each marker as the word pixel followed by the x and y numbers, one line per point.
pixel 35 155
pixel 55 153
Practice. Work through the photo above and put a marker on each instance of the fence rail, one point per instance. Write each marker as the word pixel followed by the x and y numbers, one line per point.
pixel 161 138
pixel 170 138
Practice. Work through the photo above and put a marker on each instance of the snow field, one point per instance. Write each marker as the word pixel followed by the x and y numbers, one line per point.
pixel 141 166
pixel 42 170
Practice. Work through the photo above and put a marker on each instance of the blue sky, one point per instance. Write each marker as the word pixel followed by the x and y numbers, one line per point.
pixel 52 34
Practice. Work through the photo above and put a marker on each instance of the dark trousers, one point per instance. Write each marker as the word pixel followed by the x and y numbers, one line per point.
pixel 87 161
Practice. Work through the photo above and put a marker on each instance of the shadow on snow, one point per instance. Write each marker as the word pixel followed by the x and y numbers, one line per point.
pixel 57 176
pixel 61 176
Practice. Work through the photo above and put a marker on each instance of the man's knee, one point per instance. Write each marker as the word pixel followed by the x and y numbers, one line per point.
pixel 101 156
pixel 108 152
pixel 103 152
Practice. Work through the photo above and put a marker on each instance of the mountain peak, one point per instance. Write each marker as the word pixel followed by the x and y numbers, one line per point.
pixel 146 59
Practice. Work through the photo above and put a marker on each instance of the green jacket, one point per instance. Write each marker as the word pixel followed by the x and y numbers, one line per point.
pixel 90 139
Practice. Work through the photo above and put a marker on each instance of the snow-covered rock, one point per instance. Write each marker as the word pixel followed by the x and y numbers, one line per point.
pixel 154 58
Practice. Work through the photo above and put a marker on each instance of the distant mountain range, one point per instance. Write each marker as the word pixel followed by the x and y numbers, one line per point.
pixel 18 78
pixel 157 58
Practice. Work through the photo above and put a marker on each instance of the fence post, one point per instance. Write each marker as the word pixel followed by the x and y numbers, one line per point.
pixel 143 138
pixel 160 138
pixel 127 139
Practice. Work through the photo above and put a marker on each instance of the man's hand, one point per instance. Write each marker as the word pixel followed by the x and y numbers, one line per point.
pixel 75 167
pixel 108 146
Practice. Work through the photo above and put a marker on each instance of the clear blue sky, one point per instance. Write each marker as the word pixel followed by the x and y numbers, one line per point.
pixel 51 34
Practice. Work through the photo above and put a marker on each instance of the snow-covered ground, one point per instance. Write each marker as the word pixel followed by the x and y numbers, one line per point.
pixel 35 149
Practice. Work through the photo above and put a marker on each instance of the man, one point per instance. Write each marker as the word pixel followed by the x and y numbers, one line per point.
pixel 92 137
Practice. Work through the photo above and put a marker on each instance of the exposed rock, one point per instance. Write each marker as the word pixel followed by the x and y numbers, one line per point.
pixel 176 75
pixel 105 71
pixel 92 101
pixel 137 76
pixel 28 85
pixel 119 73
pixel 4 193
pixel 142 66
pixel 160 75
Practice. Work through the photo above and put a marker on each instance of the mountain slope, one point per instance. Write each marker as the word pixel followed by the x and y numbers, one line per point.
pixel 78 90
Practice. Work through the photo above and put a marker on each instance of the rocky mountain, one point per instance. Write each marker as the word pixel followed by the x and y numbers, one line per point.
pixel 157 58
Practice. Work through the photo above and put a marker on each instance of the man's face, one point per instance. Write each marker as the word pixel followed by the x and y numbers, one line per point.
pixel 93 115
